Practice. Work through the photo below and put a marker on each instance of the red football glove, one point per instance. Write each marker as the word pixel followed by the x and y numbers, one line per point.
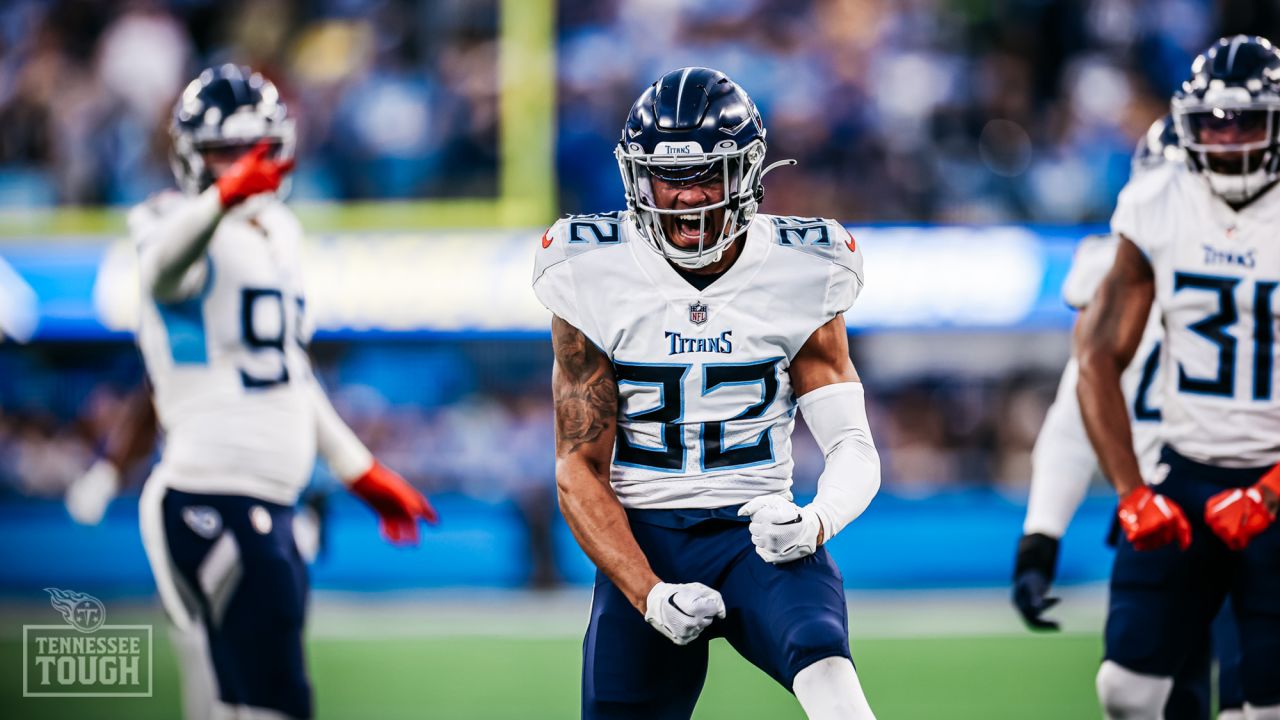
pixel 1239 515
pixel 1150 520
pixel 253 173
pixel 398 505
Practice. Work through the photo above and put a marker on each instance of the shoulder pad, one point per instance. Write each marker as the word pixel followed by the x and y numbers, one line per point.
pixel 1093 259
pixel 576 234
pixel 821 237
pixel 824 240
pixel 1140 198
pixel 142 215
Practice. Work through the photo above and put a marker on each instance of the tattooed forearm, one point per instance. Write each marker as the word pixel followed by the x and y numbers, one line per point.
pixel 584 389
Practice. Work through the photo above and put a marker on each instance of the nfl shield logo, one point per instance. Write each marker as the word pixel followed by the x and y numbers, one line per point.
pixel 698 313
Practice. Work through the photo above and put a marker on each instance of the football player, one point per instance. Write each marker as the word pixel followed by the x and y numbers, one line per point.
pixel 223 334
pixel 687 331
pixel 1197 243
pixel 1063 463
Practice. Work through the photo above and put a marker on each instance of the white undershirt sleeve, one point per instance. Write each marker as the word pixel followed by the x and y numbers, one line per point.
pixel 1062 463
pixel 342 451
pixel 837 416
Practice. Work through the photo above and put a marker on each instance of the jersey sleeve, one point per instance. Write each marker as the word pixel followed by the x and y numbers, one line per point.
pixel 1093 259
pixel 143 217
pixel 1062 463
pixel 556 284
pixel 160 228
pixel 1142 202
pixel 847 273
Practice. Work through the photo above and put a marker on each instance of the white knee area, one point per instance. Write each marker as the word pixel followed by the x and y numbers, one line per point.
pixel 829 690
pixel 1231 715
pixel 199 686
pixel 1127 695
pixel 1269 712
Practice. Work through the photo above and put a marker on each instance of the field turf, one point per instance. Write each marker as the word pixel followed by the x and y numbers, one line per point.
pixel 483 676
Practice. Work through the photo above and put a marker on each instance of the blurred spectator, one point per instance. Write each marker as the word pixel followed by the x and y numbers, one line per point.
pixel 923 110
pixel 395 99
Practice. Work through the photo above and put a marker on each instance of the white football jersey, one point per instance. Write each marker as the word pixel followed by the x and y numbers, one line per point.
pixel 706 406
pixel 228 366
pixel 1141 381
pixel 1216 271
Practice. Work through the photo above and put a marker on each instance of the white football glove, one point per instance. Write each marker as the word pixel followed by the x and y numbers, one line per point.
pixel 781 530
pixel 682 611
pixel 87 498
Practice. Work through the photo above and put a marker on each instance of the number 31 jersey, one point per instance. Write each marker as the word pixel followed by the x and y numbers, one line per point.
pixel 227 365
pixel 1216 272
pixel 706 406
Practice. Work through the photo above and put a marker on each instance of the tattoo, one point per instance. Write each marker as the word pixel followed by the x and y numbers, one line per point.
pixel 584 389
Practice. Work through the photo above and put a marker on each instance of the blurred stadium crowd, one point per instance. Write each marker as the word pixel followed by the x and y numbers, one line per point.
pixel 929 110
pixel 474 417
pixel 920 110
pixel 87 87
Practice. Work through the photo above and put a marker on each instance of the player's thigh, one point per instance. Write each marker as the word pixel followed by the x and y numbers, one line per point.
pixel 630 670
pixel 1161 603
pixel 1226 650
pixel 1256 602
pixel 1190 697
pixel 258 616
pixel 783 618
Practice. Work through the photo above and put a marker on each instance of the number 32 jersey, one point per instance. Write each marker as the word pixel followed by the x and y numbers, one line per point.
pixel 1216 272
pixel 227 365
pixel 706 406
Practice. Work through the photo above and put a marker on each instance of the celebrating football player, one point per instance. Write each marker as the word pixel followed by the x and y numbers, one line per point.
pixel 687 330
pixel 1197 243
pixel 223 334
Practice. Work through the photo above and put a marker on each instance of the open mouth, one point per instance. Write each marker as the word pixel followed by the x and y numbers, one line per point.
pixel 690 227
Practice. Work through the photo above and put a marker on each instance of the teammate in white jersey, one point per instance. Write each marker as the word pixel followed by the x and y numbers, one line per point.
pixel 223 334
pixel 687 331
pixel 1063 463
pixel 1198 243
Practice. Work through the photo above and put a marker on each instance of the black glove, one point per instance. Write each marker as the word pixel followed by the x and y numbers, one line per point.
pixel 1033 573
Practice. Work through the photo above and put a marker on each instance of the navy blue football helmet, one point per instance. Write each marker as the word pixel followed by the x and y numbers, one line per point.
pixel 224 107
pixel 1157 146
pixel 694 124
pixel 1226 116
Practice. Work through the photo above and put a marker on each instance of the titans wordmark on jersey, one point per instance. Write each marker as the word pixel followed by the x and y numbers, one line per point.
pixel 706 406
pixel 228 364
pixel 1141 381
pixel 1216 272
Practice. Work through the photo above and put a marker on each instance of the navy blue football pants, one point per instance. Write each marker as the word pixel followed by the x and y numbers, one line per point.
pixel 1163 601
pixel 782 618
pixel 235 561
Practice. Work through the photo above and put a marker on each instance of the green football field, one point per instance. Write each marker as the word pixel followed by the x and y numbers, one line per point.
pixel 914 664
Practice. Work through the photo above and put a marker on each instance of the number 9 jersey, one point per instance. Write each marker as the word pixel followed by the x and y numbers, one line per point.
pixel 227 362
pixel 1216 272
pixel 706 407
